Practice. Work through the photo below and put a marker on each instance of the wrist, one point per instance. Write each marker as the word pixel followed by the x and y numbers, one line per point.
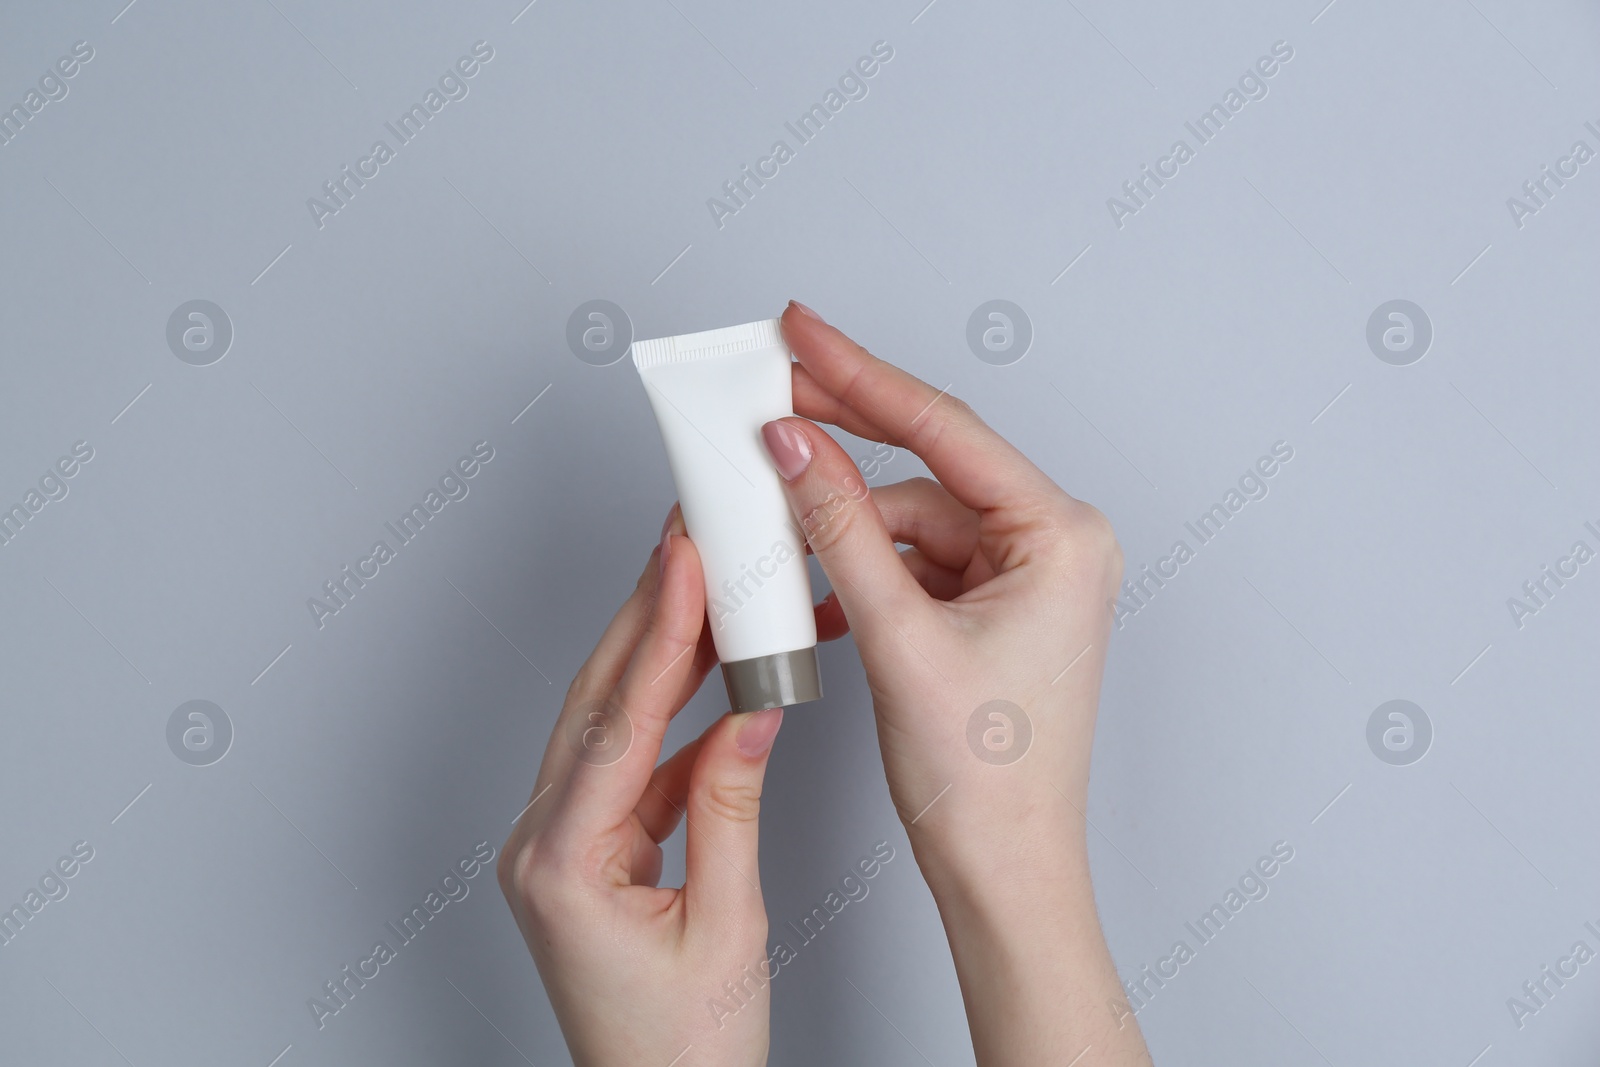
pixel 1018 909
pixel 978 856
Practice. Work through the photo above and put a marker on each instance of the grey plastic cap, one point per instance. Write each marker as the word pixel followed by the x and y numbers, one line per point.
pixel 774 681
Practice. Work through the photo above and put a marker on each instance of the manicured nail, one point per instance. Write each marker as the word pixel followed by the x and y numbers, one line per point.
pixel 757 735
pixel 806 311
pixel 666 546
pixel 791 452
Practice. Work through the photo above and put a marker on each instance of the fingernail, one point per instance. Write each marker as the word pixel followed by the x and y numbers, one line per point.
pixel 807 311
pixel 667 529
pixel 757 734
pixel 791 452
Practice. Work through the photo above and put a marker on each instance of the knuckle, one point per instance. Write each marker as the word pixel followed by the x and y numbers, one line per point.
pixel 539 877
pixel 1100 535
pixel 945 411
pixel 829 522
pixel 515 870
pixel 1093 541
pixel 590 683
pixel 1080 537
pixel 582 686
pixel 1116 560
pixel 914 496
pixel 733 801
pixel 957 409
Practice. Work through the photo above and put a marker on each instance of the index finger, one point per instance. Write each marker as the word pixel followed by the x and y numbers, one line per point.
pixel 617 741
pixel 980 468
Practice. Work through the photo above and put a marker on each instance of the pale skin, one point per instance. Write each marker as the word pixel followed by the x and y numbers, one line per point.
pixel 1000 595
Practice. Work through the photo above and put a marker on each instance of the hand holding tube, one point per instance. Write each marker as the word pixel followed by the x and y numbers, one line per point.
pixel 631 968
pixel 994 620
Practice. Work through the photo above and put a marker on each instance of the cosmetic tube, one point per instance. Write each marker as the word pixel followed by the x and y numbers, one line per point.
pixel 711 393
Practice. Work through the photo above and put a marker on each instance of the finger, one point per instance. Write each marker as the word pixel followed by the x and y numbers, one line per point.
pixel 721 869
pixel 920 512
pixel 644 866
pixel 600 672
pixel 980 467
pixel 662 804
pixel 941 583
pixel 831 623
pixel 607 785
pixel 842 526
pixel 812 401
pixel 703 659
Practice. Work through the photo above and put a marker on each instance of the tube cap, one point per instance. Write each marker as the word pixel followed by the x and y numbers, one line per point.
pixel 774 681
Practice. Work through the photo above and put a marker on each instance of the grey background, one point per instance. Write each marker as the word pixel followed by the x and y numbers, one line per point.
pixel 1228 314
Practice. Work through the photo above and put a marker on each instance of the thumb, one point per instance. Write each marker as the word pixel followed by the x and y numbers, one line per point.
pixel 843 526
pixel 722 873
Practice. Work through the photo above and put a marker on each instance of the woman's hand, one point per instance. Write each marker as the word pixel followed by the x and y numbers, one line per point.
pixel 984 645
pixel 639 974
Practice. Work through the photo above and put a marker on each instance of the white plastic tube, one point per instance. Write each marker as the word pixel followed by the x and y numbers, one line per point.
pixel 711 393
